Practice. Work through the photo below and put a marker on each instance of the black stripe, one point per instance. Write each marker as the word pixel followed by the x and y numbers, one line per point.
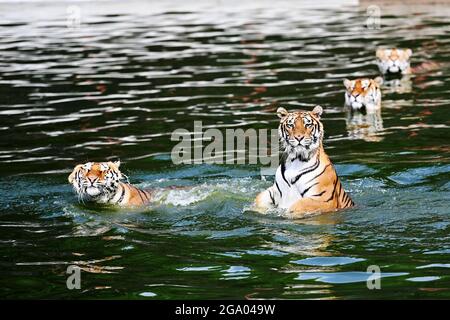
pixel 344 199
pixel 339 190
pixel 334 189
pixel 347 202
pixel 307 189
pixel 271 197
pixel 314 130
pixel 346 195
pixel 146 194
pixel 279 190
pixel 283 169
pixel 139 193
pixel 320 173
pixel 143 192
pixel 283 130
pixel 319 194
pixel 122 195
pixel 312 168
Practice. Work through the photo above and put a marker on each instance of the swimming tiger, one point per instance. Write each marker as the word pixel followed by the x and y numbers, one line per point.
pixel 306 181
pixel 99 182
pixel 363 93
pixel 394 61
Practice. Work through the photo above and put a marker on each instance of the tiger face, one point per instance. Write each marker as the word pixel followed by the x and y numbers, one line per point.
pixel 96 181
pixel 300 132
pixel 363 93
pixel 394 61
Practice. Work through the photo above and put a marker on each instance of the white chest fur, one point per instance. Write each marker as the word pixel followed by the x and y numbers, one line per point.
pixel 295 180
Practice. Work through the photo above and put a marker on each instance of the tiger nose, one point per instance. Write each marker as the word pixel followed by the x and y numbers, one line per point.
pixel 92 180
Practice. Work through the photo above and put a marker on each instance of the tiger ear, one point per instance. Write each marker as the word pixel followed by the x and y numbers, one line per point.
pixel 378 80
pixel 317 111
pixel 408 52
pixel 380 53
pixel 347 83
pixel 115 164
pixel 74 172
pixel 282 112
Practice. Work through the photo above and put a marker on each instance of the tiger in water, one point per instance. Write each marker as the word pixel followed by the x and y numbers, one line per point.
pixel 100 182
pixel 306 181
pixel 363 93
pixel 394 61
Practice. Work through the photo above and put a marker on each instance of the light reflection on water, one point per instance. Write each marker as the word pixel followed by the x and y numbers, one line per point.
pixel 122 82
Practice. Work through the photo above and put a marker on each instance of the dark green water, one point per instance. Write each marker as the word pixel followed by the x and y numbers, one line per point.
pixel 117 86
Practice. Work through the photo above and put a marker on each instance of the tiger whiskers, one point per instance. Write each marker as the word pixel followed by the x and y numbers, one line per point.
pixel 80 198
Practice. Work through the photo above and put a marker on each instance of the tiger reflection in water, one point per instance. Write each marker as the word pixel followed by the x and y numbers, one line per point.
pixel 364 125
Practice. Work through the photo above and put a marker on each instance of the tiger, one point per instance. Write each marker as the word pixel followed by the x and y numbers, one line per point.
pixel 363 93
pixel 306 181
pixel 100 182
pixel 394 61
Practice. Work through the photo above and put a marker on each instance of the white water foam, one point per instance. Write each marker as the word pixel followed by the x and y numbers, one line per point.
pixel 244 189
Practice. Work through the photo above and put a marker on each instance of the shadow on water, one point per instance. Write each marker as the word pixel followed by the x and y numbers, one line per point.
pixel 118 85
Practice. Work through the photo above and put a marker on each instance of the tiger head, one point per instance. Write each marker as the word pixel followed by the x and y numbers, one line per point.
pixel 96 181
pixel 394 61
pixel 300 132
pixel 363 93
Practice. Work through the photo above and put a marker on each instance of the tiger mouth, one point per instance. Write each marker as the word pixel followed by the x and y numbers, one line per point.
pixel 93 191
pixel 394 69
pixel 357 105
